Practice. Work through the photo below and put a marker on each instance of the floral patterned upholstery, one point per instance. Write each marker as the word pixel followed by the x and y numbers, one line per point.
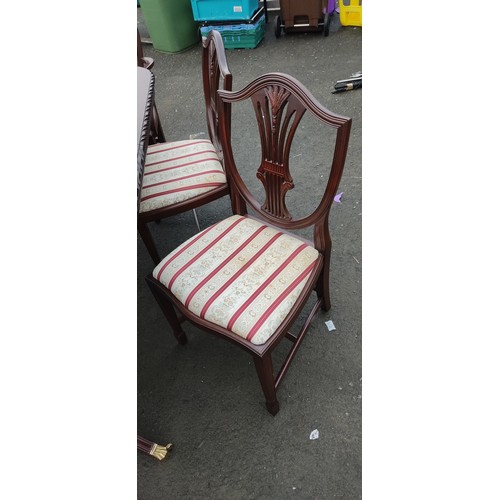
pixel 239 274
pixel 178 171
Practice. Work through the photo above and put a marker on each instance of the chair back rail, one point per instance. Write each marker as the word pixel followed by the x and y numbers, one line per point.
pixel 280 102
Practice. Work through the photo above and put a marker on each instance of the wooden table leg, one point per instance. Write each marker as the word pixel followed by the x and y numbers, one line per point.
pixel 154 449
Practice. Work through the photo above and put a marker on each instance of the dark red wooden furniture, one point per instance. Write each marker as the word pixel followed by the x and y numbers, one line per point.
pixel 156 130
pixel 185 175
pixel 153 449
pixel 145 104
pixel 247 278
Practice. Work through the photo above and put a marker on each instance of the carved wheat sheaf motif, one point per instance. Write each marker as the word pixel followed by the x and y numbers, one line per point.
pixel 274 172
pixel 276 97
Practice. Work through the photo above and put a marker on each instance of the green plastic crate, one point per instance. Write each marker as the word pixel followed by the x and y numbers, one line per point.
pixel 239 36
pixel 242 41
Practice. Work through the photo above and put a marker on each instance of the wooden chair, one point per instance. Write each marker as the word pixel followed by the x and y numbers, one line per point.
pixel 184 175
pixel 247 278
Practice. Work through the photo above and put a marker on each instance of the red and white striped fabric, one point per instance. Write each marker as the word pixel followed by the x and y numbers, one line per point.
pixel 239 274
pixel 178 171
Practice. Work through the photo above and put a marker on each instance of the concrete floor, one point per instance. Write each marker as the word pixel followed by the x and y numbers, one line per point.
pixel 205 397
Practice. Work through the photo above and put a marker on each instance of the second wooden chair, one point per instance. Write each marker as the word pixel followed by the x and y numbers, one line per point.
pixel 184 175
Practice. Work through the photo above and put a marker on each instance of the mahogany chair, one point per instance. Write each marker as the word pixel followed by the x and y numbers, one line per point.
pixel 248 277
pixel 184 175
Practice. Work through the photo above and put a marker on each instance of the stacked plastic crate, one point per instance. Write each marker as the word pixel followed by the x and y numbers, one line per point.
pixel 241 23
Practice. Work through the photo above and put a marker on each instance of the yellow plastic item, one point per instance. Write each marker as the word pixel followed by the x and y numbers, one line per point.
pixel 350 12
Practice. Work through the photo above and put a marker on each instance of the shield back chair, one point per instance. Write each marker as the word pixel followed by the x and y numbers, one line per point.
pixel 156 132
pixel 184 175
pixel 249 277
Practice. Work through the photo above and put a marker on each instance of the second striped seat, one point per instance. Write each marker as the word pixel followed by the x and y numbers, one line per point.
pixel 178 171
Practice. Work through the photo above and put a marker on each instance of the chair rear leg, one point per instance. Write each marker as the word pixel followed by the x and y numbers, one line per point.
pixel 264 367
pixel 168 310
pixel 143 229
pixel 158 130
pixel 323 289
pixel 323 283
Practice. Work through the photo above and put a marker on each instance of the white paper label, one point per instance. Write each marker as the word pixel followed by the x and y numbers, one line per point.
pixel 237 8
pixel 314 434
pixel 329 324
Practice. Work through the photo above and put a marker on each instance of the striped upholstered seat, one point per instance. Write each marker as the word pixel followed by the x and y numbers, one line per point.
pixel 239 274
pixel 178 171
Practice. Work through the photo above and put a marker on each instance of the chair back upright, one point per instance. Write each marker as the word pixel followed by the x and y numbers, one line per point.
pixel 216 75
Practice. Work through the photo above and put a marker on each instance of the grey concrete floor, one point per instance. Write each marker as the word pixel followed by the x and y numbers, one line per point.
pixel 205 397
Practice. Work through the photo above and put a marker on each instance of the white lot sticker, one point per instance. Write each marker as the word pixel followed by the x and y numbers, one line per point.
pixel 314 434
pixel 329 324
pixel 237 8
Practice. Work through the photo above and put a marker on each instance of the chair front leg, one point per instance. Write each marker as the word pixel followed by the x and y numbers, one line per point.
pixel 143 229
pixel 167 309
pixel 264 367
